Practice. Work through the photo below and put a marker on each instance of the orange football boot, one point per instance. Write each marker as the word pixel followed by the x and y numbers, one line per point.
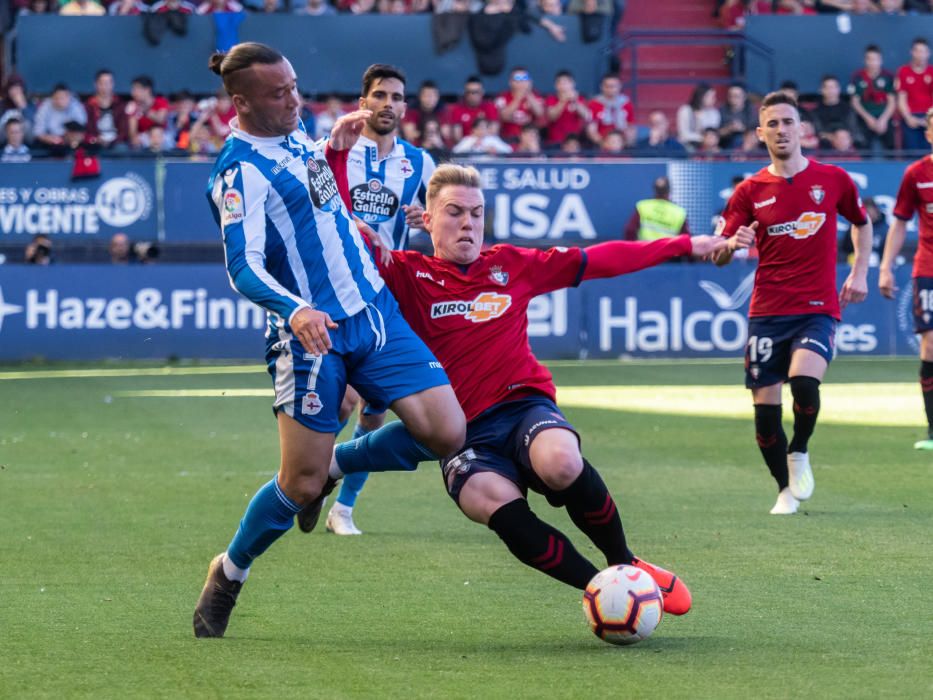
pixel 674 592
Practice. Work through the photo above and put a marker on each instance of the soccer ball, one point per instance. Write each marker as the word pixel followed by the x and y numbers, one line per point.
pixel 623 604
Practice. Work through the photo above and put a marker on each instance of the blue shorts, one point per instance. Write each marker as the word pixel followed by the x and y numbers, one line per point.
pixel 375 351
pixel 773 339
pixel 499 440
pixel 923 304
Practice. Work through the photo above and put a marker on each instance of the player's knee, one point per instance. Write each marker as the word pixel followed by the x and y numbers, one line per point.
pixel 302 488
pixel 445 437
pixel 560 468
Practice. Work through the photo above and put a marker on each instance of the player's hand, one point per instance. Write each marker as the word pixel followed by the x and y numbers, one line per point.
pixel 413 213
pixel 310 327
pixel 744 237
pixel 347 129
pixel 854 290
pixel 382 253
pixel 886 283
pixel 708 246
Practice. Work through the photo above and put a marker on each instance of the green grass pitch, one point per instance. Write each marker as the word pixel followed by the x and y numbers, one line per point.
pixel 119 483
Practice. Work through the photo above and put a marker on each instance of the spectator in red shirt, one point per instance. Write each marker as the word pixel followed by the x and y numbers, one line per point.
pixel 464 113
pixel 566 110
pixel 182 6
pixel 209 7
pixel 611 109
pixel 428 107
pixel 520 106
pixel 106 114
pixel 144 109
pixel 914 85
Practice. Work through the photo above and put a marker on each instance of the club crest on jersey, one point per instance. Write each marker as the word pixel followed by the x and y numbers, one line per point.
pixel 498 276
pixel 311 404
pixel 405 168
pixel 817 194
pixel 484 307
pixel 806 225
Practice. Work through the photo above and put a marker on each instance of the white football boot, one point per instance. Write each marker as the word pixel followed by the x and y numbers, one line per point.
pixel 801 476
pixel 786 504
pixel 340 521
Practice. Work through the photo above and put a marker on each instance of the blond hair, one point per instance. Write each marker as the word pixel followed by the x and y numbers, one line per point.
pixel 450 175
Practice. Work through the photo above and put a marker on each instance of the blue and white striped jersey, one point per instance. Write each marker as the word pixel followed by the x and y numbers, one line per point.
pixel 288 238
pixel 380 188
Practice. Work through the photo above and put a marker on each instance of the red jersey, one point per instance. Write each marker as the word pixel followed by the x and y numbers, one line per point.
pixel 612 116
pixel 796 236
pixel 916 195
pixel 511 129
pixel 918 86
pixel 465 115
pixel 572 120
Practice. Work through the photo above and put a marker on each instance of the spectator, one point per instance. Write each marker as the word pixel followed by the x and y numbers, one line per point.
pixel 791 88
pixel 657 217
pixel 265 6
pixel 37 7
pixel 15 105
pixel 124 8
pixel 521 106
pixel 659 137
pixel 566 111
pixel 54 112
pixel 392 7
pixel 431 136
pixel 879 233
pixel 698 114
pixel 182 117
pixel 892 7
pixel 464 114
pixel 809 141
pixel 572 145
pixel 611 109
pixel 356 7
pixel 15 150
pixel 732 13
pixel 182 6
pixel 737 117
pixel 333 110
pixel 841 141
pixel 873 100
pixel 550 8
pixel 590 7
pixel 209 7
pixel 427 107
pixel 315 8
pixel 710 143
pixel 39 250
pixel 213 124
pixel 144 109
pixel 613 143
pixel 529 141
pixel 832 113
pixel 119 249
pixel 482 139
pixel 157 142
pixel 82 8
pixel 794 7
pixel 106 113
pixel 914 85
pixel 862 7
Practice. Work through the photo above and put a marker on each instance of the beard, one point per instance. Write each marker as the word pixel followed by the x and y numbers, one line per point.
pixel 376 124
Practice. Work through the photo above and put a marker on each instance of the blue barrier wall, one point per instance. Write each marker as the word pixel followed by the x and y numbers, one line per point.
pixel 528 201
pixel 329 53
pixel 807 48
pixel 92 312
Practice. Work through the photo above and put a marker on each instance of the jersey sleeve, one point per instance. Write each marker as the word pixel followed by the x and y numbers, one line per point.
pixel 906 203
pixel 615 258
pixel 738 212
pixel 239 196
pixel 555 268
pixel 850 201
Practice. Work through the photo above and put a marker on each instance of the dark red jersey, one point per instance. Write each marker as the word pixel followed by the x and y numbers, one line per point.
pixel 474 319
pixel 796 236
pixel 916 195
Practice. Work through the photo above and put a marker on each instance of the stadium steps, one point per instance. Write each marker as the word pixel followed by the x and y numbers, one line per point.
pixel 695 63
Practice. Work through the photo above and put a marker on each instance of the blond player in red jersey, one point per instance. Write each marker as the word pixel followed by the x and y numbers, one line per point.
pixel 791 206
pixel 916 196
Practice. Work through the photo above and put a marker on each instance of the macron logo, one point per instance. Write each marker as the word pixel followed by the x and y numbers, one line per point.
pixel 767 202
pixel 726 301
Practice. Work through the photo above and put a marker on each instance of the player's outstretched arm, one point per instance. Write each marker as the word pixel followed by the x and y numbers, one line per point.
pixel 743 238
pixel 347 129
pixel 855 288
pixel 892 246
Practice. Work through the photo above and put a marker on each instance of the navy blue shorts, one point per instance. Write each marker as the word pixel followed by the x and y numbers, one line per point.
pixel 375 351
pixel 923 304
pixel 773 339
pixel 499 440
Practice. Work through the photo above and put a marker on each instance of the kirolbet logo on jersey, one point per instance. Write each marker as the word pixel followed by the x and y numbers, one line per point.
pixel 806 225
pixel 373 202
pixel 484 307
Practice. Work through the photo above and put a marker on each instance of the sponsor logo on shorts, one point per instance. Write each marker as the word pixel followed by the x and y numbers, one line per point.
pixel 813 341
pixel 311 404
pixel 460 463
pixel 806 225
pixel 535 428
pixel 233 207
pixel 767 202
pixel 484 307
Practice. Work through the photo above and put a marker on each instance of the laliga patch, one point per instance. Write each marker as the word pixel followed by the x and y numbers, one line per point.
pixel 311 404
pixel 233 210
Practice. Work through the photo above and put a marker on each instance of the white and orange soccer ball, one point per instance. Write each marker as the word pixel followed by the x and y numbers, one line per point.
pixel 623 605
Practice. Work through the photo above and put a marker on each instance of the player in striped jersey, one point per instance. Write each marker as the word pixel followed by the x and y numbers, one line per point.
pixel 292 247
pixel 388 179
